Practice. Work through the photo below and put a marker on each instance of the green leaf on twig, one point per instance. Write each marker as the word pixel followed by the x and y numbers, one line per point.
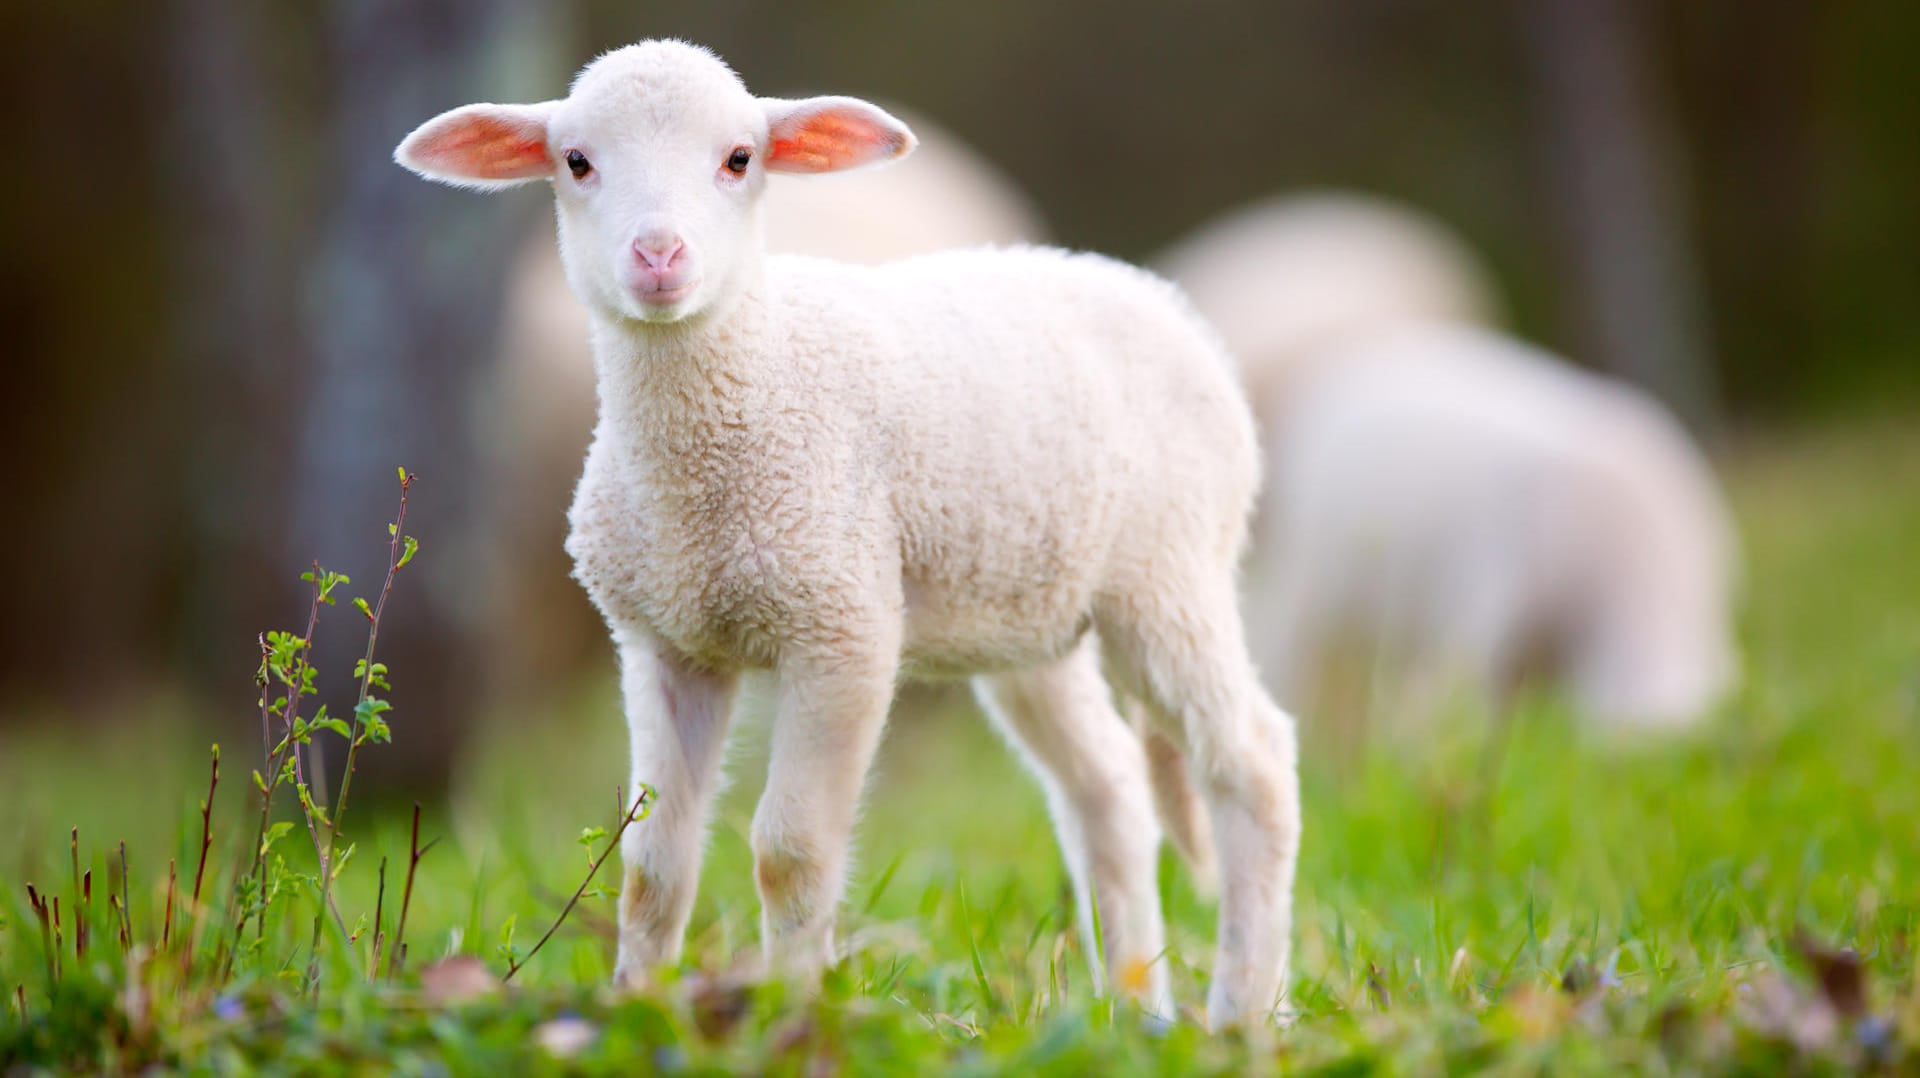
pixel 275 832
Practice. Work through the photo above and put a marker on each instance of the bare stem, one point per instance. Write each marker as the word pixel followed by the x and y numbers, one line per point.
pixel 126 900
pixel 58 938
pixel 627 818
pixel 166 921
pixel 82 889
pixel 83 912
pixel 200 872
pixel 379 906
pixel 266 726
pixel 397 957
pixel 48 943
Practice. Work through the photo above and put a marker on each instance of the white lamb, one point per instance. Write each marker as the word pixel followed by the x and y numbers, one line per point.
pixel 539 399
pixel 957 464
pixel 1475 510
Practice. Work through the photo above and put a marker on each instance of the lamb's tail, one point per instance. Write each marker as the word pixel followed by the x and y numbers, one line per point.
pixel 1183 816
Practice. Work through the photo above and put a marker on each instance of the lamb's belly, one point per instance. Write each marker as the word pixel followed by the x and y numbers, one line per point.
pixel 954 631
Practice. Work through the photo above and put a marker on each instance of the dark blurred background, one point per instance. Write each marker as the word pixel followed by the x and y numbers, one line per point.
pixel 229 316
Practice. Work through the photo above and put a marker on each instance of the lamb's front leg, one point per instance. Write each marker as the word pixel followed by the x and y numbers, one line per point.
pixel 832 708
pixel 678 718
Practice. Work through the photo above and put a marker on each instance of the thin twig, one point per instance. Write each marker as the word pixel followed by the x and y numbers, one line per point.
pixel 166 922
pixel 379 903
pixel 276 755
pixel 200 872
pixel 397 957
pixel 58 937
pixel 79 911
pixel 83 914
pixel 126 902
pixel 52 948
pixel 266 726
pixel 359 725
pixel 593 924
pixel 629 816
pixel 316 791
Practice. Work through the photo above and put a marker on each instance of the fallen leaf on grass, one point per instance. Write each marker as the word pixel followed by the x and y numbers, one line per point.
pixel 1535 1013
pixel 719 1002
pixel 1773 1007
pixel 1842 977
pixel 457 980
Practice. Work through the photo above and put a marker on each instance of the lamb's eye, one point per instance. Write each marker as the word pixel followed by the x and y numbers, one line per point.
pixel 578 163
pixel 737 161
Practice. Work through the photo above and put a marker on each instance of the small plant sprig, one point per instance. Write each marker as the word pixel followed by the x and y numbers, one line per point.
pixel 205 945
pixel 286 675
pixel 369 724
pixel 285 659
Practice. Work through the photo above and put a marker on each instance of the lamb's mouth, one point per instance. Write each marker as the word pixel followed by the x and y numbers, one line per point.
pixel 665 297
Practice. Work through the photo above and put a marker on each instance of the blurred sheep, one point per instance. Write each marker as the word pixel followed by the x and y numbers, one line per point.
pixel 1466 509
pixel 1476 510
pixel 540 405
pixel 1290 273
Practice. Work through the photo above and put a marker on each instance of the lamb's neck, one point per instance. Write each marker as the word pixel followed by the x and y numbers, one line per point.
pixel 654 379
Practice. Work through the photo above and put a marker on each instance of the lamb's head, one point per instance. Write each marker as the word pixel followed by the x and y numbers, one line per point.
pixel 657 156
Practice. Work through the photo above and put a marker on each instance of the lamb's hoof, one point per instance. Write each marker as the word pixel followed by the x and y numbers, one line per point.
pixel 631 977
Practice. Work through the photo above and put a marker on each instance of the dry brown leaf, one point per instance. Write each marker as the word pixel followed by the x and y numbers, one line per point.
pixel 1842 977
pixel 458 980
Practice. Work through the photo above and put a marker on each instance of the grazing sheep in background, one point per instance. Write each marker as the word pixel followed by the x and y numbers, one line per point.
pixel 1424 510
pixel 1287 274
pixel 957 464
pixel 539 403
pixel 1476 509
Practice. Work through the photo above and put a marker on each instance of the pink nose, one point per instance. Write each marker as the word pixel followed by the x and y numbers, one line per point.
pixel 658 250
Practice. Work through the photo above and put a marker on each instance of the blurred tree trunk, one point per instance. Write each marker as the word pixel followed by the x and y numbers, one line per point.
pixel 1612 167
pixel 233 285
pixel 1748 77
pixel 399 314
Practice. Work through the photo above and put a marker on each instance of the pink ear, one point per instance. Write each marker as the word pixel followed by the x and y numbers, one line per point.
pixel 827 134
pixel 481 146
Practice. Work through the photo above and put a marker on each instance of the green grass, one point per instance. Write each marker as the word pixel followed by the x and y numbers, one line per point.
pixel 1564 902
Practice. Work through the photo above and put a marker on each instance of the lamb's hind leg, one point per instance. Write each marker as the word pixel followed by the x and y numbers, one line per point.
pixel 1181 649
pixel 1061 717
pixel 678 718
pixel 1182 814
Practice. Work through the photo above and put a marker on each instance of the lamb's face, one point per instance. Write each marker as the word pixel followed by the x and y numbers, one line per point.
pixel 659 170
pixel 657 157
